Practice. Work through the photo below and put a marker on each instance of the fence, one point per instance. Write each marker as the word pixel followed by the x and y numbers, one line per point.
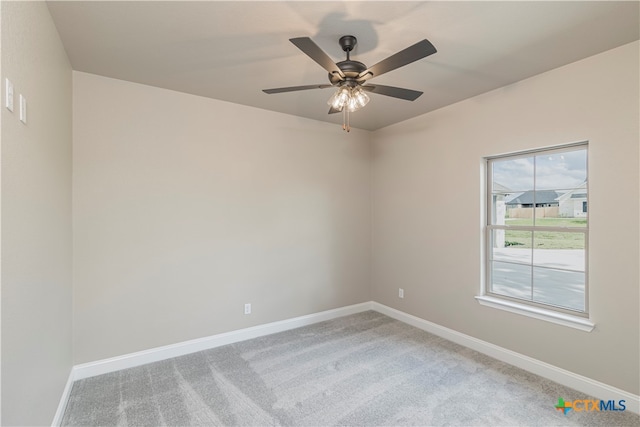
pixel 550 212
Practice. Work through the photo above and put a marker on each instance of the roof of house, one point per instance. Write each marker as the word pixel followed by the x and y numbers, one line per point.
pixel 526 198
pixel 579 192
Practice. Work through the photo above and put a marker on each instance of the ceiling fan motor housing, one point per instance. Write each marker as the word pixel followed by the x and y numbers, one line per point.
pixel 351 69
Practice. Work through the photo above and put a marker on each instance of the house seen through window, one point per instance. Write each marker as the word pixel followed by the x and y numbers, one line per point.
pixel 537 229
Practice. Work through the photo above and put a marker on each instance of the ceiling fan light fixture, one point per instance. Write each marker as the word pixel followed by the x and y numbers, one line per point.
pixel 348 99
pixel 358 99
pixel 340 98
pixel 351 98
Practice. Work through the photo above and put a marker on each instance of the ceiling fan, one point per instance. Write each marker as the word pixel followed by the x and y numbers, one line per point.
pixel 350 76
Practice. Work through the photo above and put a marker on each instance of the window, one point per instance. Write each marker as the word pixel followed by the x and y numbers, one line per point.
pixel 537 231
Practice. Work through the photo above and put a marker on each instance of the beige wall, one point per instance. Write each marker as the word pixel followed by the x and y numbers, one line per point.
pixel 36 217
pixel 185 208
pixel 426 168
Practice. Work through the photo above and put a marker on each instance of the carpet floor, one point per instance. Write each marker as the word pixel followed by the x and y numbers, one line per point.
pixel 361 370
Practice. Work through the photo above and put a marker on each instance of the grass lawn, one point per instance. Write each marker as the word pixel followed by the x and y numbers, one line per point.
pixel 549 222
pixel 546 239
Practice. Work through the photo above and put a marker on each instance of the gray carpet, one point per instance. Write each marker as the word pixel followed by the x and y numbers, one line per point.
pixel 362 370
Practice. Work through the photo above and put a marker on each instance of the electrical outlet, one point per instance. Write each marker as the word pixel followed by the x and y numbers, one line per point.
pixel 247 309
pixel 400 293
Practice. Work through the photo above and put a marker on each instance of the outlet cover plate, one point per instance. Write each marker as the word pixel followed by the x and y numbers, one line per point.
pixel 8 94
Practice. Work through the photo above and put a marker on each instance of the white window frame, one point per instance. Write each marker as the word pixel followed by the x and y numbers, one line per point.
pixel 547 312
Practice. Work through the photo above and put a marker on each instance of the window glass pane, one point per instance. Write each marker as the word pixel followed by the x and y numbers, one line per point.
pixel 512 176
pixel 564 170
pixel 559 287
pixel 555 249
pixel 511 246
pixel 513 280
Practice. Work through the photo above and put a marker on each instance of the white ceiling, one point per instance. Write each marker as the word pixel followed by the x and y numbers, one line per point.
pixel 233 50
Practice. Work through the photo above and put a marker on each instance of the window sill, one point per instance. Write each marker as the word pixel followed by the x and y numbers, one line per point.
pixel 537 313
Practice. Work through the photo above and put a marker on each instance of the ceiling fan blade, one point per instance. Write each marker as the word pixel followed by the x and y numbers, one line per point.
pixel 417 51
pixel 314 52
pixel 333 110
pixel 295 88
pixel 395 92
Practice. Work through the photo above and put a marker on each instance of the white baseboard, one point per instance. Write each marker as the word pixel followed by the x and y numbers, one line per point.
pixel 131 360
pixel 57 418
pixel 577 382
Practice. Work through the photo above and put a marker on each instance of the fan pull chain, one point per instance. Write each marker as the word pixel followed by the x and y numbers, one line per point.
pixel 348 121
pixel 346 126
